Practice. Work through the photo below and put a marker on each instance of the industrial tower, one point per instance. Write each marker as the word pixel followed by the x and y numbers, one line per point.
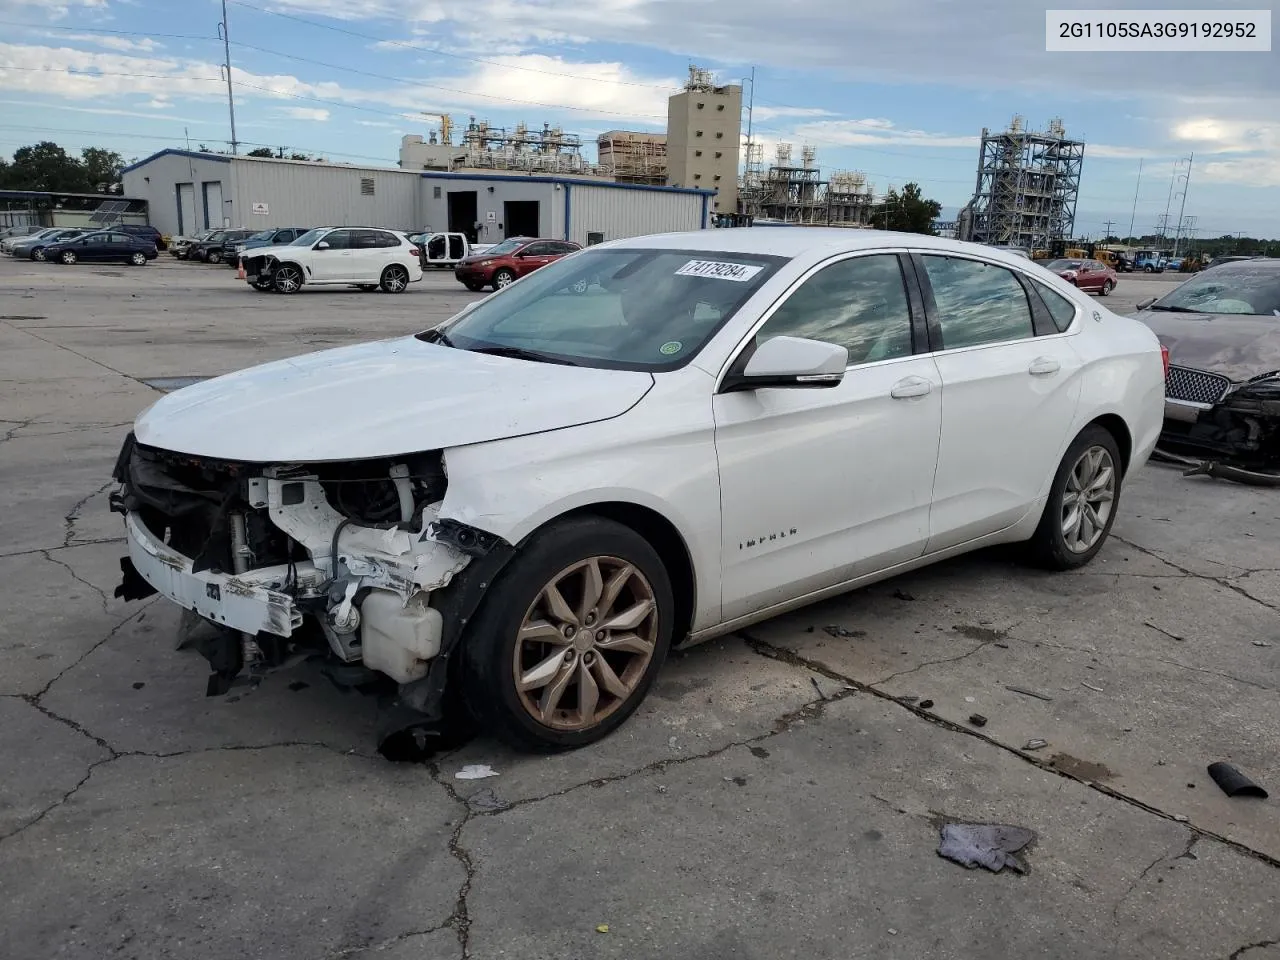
pixel 1028 182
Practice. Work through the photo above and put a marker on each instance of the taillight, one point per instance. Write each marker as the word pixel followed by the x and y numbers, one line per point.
pixel 1164 355
pixel 413 251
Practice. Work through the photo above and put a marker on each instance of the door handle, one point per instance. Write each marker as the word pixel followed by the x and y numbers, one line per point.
pixel 910 387
pixel 1043 366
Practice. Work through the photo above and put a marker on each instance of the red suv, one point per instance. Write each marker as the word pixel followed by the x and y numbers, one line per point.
pixel 504 263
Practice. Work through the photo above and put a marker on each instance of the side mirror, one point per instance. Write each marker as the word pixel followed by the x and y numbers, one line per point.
pixel 791 362
pixel 322 245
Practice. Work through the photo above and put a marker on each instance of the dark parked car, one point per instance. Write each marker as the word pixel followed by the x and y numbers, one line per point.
pixel 1222 393
pixel 274 237
pixel 215 248
pixel 504 263
pixel 103 246
pixel 142 231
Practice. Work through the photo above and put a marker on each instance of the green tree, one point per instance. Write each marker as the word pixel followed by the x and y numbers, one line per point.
pixel 101 167
pixel 46 166
pixel 298 156
pixel 261 152
pixel 908 211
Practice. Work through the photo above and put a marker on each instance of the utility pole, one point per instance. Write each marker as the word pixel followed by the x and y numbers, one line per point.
pixel 231 101
pixel 1135 201
pixel 1164 229
pixel 1107 234
pixel 1185 185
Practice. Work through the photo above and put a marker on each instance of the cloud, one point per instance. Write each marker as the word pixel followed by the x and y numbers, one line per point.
pixel 123 44
pixel 52 9
pixel 317 114
pixel 876 131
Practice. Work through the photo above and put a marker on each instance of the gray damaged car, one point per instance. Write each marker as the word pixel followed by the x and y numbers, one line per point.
pixel 1222 393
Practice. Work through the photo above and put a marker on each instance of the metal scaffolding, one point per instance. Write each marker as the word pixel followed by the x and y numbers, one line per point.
pixel 1028 182
pixel 633 157
pixel 791 193
pixel 549 150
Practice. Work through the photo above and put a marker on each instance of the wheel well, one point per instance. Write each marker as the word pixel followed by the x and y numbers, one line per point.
pixel 1115 426
pixel 290 263
pixel 664 538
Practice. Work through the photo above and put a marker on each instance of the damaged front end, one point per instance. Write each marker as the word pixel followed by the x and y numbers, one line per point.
pixel 1218 427
pixel 352 559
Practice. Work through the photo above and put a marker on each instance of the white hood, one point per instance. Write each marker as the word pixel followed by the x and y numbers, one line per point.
pixel 381 399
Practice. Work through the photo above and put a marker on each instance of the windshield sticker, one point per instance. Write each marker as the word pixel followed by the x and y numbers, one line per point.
pixel 716 269
pixel 670 348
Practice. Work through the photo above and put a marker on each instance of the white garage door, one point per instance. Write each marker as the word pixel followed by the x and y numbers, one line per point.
pixel 187 222
pixel 213 204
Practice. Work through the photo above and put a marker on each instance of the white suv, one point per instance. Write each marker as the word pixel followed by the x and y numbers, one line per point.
pixel 364 257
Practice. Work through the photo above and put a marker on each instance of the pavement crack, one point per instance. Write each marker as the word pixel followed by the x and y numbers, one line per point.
pixel 932 663
pixel 73 515
pixel 766 649
pixel 18 425
pixel 61 546
pixel 102 594
pixel 80 659
pixel 61 800
pixel 1259 945
pixel 1192 839
pixel 381 945
pixel 1220 581
pixel 460 919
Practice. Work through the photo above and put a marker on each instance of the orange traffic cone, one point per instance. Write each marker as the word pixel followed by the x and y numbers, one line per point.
pixel 240 274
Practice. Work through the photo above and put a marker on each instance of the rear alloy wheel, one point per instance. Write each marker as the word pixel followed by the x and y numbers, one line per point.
pixel 1107 288
pixel 138 258
pixel 570 636
pixel 503 278
pixel 287 279
pixel 68 256
pixel 215 256
pixel 1082 503
pixel 395 279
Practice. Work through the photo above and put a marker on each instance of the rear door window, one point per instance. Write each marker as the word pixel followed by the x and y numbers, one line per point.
pixel 364 239
pixel 978 303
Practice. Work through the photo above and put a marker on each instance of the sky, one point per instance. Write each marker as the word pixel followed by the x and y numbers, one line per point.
pixel 899 90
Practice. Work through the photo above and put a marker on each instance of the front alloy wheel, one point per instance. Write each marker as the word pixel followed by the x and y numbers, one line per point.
pixel 503 278
pixel 569 636
pixel 37 254
pixel 287 279
pixel 585 643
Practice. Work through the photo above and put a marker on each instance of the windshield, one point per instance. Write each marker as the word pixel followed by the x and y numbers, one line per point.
pixel 1241 288
pixel 625 309
pixel 506 246
pixel 1065 265
pixel 261 235
pixel 310 237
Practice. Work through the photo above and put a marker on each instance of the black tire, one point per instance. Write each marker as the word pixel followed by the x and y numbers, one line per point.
pixel 473 286
pixel 489 645
pixel 215 256
pixel 287 279
pixel 368 287
pixel 503 278
pixel 1150 269
pixel 1048 546
pixel 395 279
pixel 138 259
pixel 1107 288
pixel 68 257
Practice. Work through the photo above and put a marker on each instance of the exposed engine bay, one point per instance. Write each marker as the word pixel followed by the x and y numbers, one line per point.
pixel 347 559
pixel 1232 433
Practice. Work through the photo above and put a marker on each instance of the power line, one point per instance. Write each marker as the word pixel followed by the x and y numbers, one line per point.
pixel 117 33
pixel 442 53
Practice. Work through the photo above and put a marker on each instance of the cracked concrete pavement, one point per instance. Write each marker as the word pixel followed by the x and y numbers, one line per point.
pixel 779 793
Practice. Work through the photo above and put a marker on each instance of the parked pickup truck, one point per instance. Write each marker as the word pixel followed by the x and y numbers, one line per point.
pixel 445 249
pixel 1150 261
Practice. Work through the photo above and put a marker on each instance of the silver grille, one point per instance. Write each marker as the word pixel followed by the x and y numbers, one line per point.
pixel 1197 386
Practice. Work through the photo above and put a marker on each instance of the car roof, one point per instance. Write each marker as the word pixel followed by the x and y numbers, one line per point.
pixel 1249 263
pixel 805 240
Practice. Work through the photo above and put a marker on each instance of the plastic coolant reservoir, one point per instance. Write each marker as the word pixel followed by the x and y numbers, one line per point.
pixel 398 639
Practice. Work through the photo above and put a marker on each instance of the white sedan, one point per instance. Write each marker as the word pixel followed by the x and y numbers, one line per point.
pixel 528 505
